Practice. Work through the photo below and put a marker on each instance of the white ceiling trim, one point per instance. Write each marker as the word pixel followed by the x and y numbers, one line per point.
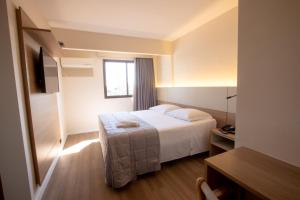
pixel 106 30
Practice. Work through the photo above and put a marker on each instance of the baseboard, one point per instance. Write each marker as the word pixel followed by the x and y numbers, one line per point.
pixel 82 132
pixel 41 190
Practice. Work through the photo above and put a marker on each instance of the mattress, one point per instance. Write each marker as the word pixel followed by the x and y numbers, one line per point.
pixel 178 138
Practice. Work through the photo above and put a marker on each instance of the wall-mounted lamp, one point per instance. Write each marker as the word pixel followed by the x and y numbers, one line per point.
pixel 228 128
pixel 229 97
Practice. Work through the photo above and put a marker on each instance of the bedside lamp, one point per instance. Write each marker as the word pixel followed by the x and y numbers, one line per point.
pixel 228 128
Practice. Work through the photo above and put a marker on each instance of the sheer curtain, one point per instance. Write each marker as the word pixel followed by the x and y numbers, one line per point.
pixel 144 91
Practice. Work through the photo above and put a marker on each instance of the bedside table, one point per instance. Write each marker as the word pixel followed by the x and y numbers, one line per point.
pixel 220 142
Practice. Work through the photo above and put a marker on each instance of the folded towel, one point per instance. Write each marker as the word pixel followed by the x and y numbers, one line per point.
pixel 127 124
pixel 123 120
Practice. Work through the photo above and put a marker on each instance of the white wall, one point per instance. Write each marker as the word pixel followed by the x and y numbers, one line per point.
pixel 203 65
pixel 164 74
pixel 207 56
pixel 60 104
pixel 268 117
pixel 84 99
pixel 36 191
pixel 13 164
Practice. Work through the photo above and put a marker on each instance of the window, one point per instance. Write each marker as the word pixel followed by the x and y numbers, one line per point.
pixel 118 78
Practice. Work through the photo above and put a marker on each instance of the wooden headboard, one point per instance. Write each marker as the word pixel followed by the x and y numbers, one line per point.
pixel 219 116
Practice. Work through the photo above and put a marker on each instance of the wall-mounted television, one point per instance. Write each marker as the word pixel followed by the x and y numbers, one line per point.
pixel 48 73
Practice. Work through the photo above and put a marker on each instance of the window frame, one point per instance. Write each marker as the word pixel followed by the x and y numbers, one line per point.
pixel 104 79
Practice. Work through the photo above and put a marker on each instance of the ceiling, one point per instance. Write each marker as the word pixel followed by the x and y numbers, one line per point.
pixel 159 19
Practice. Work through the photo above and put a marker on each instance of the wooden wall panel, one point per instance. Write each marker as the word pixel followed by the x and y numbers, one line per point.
pixel 209 99
pixel 41 108
pixel 205 97
pixel 46 129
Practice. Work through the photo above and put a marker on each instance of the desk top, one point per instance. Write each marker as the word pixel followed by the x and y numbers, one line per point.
pixel 260 174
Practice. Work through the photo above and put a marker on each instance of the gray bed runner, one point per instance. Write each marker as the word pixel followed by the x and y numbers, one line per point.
pixel 127 152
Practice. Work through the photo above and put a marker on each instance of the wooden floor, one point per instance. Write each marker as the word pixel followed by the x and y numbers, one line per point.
pixel 79 175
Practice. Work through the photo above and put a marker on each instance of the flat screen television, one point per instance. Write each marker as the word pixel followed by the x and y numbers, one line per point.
pixel 48 73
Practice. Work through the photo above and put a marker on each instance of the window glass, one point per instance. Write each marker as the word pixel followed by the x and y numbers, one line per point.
pixel 119 78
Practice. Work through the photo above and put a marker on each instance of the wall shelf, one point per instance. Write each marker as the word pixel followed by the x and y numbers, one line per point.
pixel 46 38
pixel 220 142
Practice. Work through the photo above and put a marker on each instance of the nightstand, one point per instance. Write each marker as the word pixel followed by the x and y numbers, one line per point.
pixel 220 142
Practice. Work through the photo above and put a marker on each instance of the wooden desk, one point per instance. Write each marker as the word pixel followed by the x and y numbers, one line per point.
pixel 255 173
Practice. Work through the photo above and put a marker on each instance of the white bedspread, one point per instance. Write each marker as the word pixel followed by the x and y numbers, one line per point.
pixel 178 138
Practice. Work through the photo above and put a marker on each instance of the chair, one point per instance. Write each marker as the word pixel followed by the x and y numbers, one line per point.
pixel 205 193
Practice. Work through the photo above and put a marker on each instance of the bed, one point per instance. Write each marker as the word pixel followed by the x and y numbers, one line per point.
pixel 178 138
pixel 170 139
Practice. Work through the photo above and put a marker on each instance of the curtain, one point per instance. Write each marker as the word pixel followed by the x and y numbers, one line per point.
pixel 144 91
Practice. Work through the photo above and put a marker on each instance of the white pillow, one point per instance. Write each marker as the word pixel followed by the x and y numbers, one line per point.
pixel 189 114
pixel 163 108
